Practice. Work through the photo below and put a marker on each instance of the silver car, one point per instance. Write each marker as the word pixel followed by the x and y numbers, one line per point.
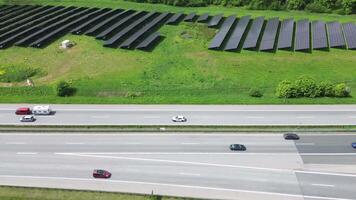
pixel 28 118
pixel 179 118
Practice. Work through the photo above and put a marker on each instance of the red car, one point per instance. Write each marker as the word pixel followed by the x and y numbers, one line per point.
pixel 100 173
pixel 23 111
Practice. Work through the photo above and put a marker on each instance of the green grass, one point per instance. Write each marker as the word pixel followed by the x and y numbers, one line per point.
pixel 20 193
pixel 179 70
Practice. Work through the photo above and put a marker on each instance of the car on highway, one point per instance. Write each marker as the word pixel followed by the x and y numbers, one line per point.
pixel 28 118
pixel 353 145
pixel 179 118
pixel 100 173
pixel 237 147
pixel 23 111
pixel 291 136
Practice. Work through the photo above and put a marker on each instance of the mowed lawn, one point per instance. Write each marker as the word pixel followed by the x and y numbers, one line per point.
pixel 181 69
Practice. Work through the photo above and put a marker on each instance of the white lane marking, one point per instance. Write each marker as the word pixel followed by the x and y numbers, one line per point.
pixel 100 117
pixel 15 143
pixel 255 117
pixel 322 185
pixel 188 174
pixel 151 117
pixel 189 143
pixel 132 143
pixel 305 117
pixel 325 173
pixel 74 143
pixel 172 185
pixel 176 161
pixel 26 153
pixel 307 144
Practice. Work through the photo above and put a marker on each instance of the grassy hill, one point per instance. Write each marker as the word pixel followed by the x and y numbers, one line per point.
pixel 180 70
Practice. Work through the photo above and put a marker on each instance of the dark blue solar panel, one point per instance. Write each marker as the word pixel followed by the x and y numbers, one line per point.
pixel 336 38
pixel 190 17
pixel 175 18
pixel 223 32
pixel 302 35
pixel 203 18
pixel 254 33
pixel 270 34
pixel 215 20
pixel 319 35
pixel 285 39
pixel 350 35
pixel 237 33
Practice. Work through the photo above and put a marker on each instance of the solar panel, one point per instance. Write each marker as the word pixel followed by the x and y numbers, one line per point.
pixel 319 38
pixel 118 37
pixel 3 8
pixel 32 26
pixel 215 20
pixel 145 44
pixel 238 32
pixel 175 19
pixel 112 30
pixel 350 35
pixel 190 17
pixel 13 14
pixel 65 28
pixel 11 9
pixel 223 32
pixel 270 34
pixel 104 24
pixel 254 33
pixel 285 39
pixel 7 8
pixel 302 35
pixel 23 16
pixel 203 18
pixel 336 39
pixel 130 42
pixel 90 23
pixel 34 35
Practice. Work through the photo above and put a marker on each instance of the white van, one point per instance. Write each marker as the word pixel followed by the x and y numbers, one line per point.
pixel 41 110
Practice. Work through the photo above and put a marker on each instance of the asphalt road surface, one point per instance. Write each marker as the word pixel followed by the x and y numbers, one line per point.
pixel 196 115
pixel 187 165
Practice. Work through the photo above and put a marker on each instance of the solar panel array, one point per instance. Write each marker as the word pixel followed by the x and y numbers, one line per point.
pixel 37 26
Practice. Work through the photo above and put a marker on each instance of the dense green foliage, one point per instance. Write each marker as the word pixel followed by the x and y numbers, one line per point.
pixel 322 6
pixel 65 89
pixel 17 73
pixel 306 86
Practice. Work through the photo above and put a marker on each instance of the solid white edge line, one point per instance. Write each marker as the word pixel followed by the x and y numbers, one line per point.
pixel 174 185
pixel 26 153
pixel 322 185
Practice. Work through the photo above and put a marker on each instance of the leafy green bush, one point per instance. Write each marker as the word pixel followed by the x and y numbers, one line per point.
pixel 254 92
pixel 317 8
pixel 306 87
pixel 295 4
pixel 17 73
pixel 327 89
pixel 286 89
pixel 65 89
pixel 341 90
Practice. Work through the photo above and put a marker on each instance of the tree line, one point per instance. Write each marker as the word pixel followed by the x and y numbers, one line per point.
pixel 320 6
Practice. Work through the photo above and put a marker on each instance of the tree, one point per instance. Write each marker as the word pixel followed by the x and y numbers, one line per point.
pixel 65 89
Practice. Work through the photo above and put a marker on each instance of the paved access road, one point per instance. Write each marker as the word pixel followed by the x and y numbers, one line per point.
pixel 191 165
pixel 196 115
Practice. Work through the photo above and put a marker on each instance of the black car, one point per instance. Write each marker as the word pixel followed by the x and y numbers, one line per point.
pixel 237 147
pixel 291 136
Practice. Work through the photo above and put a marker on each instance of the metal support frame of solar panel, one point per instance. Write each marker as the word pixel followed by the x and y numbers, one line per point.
pixel 114 28
pixel 190 17
pixel 215 20
pixel 175 19
pixel 350 35
pixel 55 23
pixel 220 37
pixel 17 12
pixel 32 26
pixel 94 31
pixel 237 34
pixel 146 43
pixel 203 18
pixel 319 38
pixel 65 28
pixel 23 16
pixel 336 38
pixel 118 37
pixel 254 33
pixel 302 35
pixel 131 41
pixel 91 23
pixel 270 34
pixel 29 20
pixel 285 38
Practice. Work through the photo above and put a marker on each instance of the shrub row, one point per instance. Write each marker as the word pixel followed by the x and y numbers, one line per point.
pixel 306 86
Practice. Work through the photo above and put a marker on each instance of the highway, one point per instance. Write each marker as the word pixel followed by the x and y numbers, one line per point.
pixel 318 166
pixel 196 115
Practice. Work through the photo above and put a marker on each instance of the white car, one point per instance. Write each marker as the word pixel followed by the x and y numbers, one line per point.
pixel 27 118
pixel 179 118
